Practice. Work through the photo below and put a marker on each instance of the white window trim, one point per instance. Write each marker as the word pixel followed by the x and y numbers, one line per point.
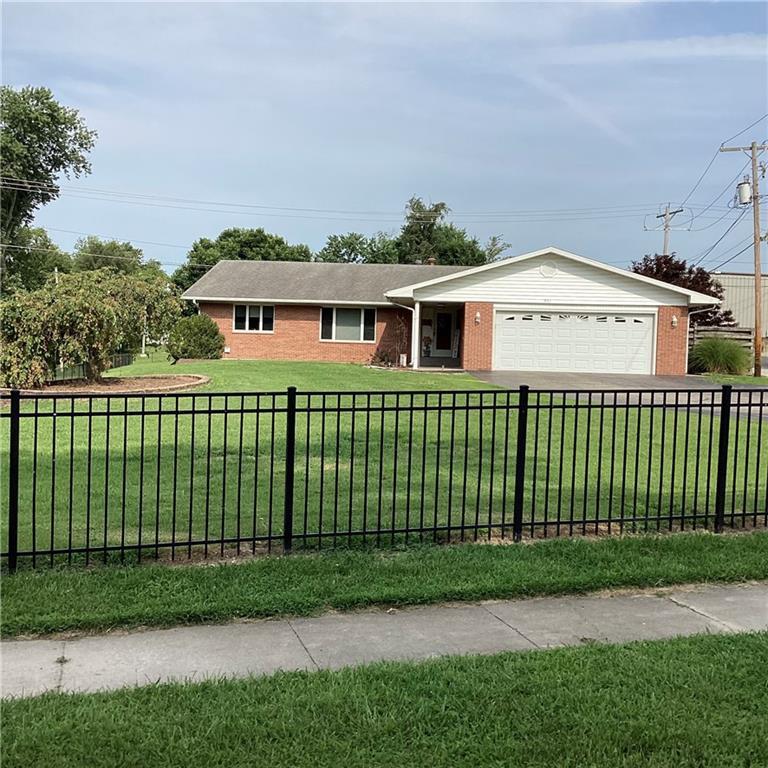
pixel 361 340
pixel 247 313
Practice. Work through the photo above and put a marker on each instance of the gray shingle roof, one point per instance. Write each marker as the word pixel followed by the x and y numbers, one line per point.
pixel 295 281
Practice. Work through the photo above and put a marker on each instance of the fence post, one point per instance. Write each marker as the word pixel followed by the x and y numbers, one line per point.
pixel 522 440
pixel 290 462
pixel 13 482
pixel 722 457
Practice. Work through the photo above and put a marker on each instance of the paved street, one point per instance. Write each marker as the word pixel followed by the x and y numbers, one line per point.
pixel 332 641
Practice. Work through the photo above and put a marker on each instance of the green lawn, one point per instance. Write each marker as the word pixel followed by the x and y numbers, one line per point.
pixel 687 703
pixel 274 375
pixel 742 381
pixel 161 478
pixel 98 599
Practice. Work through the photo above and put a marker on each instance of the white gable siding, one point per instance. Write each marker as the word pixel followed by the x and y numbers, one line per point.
pixel 574 283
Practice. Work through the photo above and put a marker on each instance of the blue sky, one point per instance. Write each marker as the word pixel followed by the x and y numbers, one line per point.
pixel 355 107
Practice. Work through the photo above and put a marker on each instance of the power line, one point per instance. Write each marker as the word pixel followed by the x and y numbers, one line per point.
pixel 713 223
pixel 725 190
pixel 751 125
pixel 110 237
pixel 714 157
pixel 106 256
pixel 512 216
pixel 719 240
pixel 728 261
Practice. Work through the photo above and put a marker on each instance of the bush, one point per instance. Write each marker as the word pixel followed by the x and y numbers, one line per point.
pixel 719 356
pixel 196 337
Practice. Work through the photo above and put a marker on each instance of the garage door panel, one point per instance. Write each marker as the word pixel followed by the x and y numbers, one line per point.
pixel 577 341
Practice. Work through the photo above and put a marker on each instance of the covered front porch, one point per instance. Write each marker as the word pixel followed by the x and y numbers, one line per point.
pixel 436 336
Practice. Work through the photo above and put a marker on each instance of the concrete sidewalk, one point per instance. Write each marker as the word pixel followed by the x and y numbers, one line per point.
pixel 332 641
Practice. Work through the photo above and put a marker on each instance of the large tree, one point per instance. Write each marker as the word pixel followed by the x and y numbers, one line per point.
pixel 237 244
pixel 416 242
pixel 83 318
pixel 40 140
pixel 424 237
pixel 453 246
pixel 94 253
pixel 670 269
pixel 351 248
pixel 33 260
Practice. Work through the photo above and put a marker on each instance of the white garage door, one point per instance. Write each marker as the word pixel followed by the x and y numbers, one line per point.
pixel 573 341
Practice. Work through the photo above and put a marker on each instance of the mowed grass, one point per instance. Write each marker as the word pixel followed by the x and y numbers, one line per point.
pixel 414 464
pixel 687 703
pixel 276 375
pixel 103 598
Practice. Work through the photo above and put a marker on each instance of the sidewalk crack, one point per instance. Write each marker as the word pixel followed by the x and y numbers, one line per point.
pixel 61 661
pixel 303 645
pixel 721 622
pixel 509 626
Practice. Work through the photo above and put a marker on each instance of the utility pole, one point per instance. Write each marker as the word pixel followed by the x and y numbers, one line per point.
pixel 754 149
pixel 667 216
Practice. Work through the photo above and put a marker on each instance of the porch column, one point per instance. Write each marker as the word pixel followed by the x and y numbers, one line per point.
pixel 415 333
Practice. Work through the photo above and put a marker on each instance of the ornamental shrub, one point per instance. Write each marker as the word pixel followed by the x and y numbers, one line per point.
pixel 197 337
pixel 719 356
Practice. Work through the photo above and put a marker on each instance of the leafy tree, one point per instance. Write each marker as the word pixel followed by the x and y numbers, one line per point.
pixel 453 246
pixel 26 341
pixel 670 269
pixel 237 244
pixel 39 140
pixel 495 248
pixel 352 248
pixel 416 242
pixel 383 249
pixel 35 259
pixel 84 318
pixel 150 305
pixel 93 253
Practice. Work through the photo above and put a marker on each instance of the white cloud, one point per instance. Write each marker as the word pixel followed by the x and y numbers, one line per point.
pixel 578 105
pixel 737 46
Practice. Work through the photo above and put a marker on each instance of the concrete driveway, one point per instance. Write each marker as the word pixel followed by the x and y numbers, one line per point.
pixel 593 381
pixel 682 392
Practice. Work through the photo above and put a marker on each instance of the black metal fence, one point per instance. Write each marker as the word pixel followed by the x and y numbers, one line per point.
pixel 119 477
pixel 76 372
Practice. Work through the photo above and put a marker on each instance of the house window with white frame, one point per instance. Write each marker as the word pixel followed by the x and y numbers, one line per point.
pixel 253 318
pixel 348 324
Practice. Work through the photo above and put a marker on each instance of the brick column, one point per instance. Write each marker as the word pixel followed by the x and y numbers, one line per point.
pixel 672 343
pixel 477 345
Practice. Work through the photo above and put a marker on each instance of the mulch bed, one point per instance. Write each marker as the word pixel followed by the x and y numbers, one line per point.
pixel 149 384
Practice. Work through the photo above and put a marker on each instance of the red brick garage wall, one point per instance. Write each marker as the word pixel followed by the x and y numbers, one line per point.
pixel 477 349
pixel 297 336
pixel 672 343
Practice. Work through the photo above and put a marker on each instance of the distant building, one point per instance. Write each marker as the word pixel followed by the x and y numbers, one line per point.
pixel 739 297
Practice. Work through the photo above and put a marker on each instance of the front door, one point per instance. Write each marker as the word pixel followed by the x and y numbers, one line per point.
pixel 443 340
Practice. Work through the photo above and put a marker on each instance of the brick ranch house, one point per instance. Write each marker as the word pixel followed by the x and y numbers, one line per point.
pixel 549 310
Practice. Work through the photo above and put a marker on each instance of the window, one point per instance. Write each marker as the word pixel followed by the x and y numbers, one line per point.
pixel 347 324
pixel 619 319
pixel 256 318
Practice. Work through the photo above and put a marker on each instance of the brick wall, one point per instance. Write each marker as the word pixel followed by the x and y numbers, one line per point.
pixel 297 336
pixel 477 348
pixel 672 343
